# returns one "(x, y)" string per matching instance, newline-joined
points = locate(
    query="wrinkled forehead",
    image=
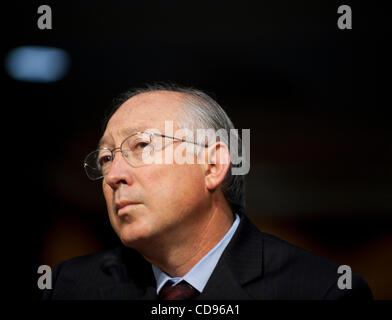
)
(143, 112)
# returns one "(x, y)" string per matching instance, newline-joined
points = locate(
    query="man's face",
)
(156, 202)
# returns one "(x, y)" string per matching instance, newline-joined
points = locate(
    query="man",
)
(182, 225)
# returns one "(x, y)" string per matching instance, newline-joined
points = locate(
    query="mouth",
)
(123, 206)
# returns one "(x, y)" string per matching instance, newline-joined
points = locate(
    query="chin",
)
(132, 235)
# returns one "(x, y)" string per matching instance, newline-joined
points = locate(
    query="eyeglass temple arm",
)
(179, 139)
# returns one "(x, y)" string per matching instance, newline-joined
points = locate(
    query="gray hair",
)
(200, 112)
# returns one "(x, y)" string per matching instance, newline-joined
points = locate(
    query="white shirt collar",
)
(201, 271)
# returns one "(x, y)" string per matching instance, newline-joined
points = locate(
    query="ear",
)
(216, 165)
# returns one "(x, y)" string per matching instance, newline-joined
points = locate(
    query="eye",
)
(141, 145)
(136, 144)
(104, 160)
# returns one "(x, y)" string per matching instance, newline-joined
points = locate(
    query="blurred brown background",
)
(310, 93)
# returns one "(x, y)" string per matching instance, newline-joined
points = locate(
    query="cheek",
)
(175, 186)
(114, 221)
(107, 193)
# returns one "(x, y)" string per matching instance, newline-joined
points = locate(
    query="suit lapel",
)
(240, 263)
(223, 286)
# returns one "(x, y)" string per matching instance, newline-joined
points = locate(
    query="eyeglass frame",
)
(85, 164)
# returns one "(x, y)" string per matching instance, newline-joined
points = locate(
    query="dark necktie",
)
(181, 291)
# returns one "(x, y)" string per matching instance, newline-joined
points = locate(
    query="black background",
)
(310, 93)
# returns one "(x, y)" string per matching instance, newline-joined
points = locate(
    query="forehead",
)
(144, 111)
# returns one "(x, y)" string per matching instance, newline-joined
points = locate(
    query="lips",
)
(121, 206)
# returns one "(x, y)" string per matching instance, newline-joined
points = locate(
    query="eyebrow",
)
(124, 132)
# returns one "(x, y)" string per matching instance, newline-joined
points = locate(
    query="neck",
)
(177, 255)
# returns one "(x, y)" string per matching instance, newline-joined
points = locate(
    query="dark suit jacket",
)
(254, 265)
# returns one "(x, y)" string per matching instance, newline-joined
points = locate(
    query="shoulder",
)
(291, 272)
(80, 277)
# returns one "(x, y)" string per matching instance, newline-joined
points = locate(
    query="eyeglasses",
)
(134, 150)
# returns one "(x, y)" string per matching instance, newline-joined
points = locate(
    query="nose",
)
(120, 171)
